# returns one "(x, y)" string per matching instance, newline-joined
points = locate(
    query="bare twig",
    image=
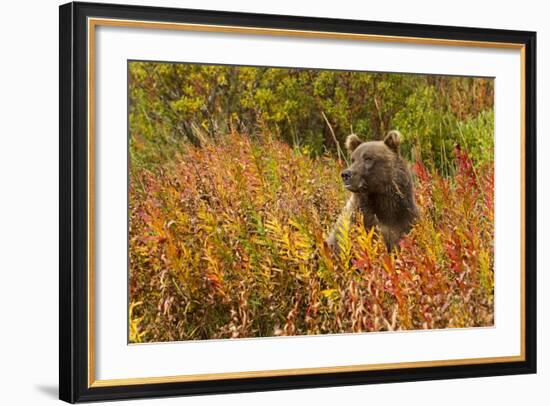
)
(341, 155)
(378, 111)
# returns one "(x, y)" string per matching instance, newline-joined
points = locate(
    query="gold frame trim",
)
(94, 22)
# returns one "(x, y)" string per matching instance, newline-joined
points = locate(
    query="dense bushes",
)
(174, 103)
(227, 240)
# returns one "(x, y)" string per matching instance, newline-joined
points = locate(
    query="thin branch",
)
(341, 155)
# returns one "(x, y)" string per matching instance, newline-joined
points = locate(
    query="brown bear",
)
(381, 186)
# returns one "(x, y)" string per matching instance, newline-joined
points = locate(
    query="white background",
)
(115, 359)
(29, 204)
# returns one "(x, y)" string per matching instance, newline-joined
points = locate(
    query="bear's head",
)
(372, 163)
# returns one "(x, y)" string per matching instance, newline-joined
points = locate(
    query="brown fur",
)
(381, 186)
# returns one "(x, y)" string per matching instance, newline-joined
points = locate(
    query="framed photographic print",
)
(256, 202)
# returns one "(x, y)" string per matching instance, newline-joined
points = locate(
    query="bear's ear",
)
(392, 140)
(352, 142)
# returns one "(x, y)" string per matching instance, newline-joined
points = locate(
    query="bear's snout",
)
(346, 175)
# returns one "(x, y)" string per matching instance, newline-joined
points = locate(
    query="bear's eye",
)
(352, 160)
(367, 158)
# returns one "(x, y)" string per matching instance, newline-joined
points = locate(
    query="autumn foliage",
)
(226, 240)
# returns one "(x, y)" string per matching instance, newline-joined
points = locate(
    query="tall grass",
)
(227, 240)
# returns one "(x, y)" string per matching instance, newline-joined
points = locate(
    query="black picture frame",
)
(74, 199)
